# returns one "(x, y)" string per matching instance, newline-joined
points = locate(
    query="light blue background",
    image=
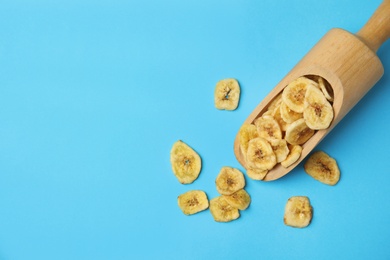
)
(94, 93)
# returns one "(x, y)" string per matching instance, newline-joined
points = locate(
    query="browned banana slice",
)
(294, 93)
(298, 132)
(318, 112)
(240, 199)
(222, 211)
(186, 163)
(260, 154)
(229, 180)
(323, 168)
(268, 128)
(227, 94)
(193, 202)
(293, 156)
(279, 146)
(298, 212)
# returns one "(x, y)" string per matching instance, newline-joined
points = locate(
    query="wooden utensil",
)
(348, 62)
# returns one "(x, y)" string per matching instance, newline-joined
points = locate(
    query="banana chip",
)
(293, 156)
(240, 199)
(289, 115)
(227, 94)
(246, 133)
(193, 202)
(326, 89)
(268, 128)
(323, 168)
(279, 146)
(318, 112)
(294, 93)
(222, 211)
(256, 174)
(186, 163)
(260, 154)
(298, 212)
(229, 180)
(298, 132)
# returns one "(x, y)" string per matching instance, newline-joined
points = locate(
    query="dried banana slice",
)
(294, 93)
(278, 117)
(186, 163)
(240, 199)
(279, 146)
(318, 112)
(229, 180)
(293, 156)
(268, 128)
(323, 168)
(227, 94)
(193, 202)
(256, 174)
(246, 133)
(275, 103)
(326, 89)
(298, 132)
(298, 212)
(222, 211)
(289, 115)
(260, 154)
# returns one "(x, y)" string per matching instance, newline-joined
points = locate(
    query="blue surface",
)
(94, 93)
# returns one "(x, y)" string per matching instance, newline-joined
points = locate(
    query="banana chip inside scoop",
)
(227, 94)
(294, 93)
(298, 212)
(323, 168)
(318, 112)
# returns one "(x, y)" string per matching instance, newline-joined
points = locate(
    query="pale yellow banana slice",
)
(326, 89)
(246, 133)
(186, 163)
(222, 211)
(260, 154)
(279, 146)
(293, 156)
(294, 93)
(256, 174)
(278, 117)
(268, 128)
(323, 168)
(229, 180)
(289, 115)
(227, 94)
(298, 212)
(298, 132)
(193, 202)
(240, 199)
(318, 112)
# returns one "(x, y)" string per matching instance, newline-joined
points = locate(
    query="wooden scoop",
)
(348, 62)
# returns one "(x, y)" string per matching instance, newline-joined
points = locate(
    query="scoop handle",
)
(377, 30)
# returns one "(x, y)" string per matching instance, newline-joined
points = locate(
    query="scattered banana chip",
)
(294, 93)
(298, 132)
(256, 174)
(193, 202)
(246, 133)
(227, 94)
(298, 212)
(293, 156)
(318, 112)
(186, 163)
(222, 211)
(229, 180)
(323, 168)
(268, 128)
(240, 199)
(260, 154)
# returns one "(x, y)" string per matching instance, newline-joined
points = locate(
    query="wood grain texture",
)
(348, 62)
